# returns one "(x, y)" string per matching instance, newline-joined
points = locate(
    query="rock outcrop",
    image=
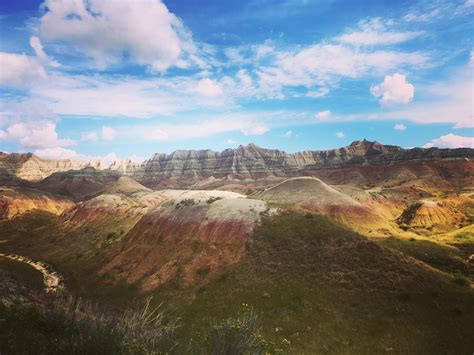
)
(32, 168)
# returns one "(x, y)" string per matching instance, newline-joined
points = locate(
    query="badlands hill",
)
(77, 183)
(301, 189)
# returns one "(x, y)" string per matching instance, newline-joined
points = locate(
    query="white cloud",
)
(447, 101)
(322, 115)
(422, 16)
(35, 135)
(19, 70)
(400, 127)
(31, 125)
(106, 30)
(247, 124)
(394, 89)
(108, 133)
(58, 153)
(244, 79)
(35, 43)
(324, 65)
(320, 92)
(124, 96)
(105, 159)
(340, 134)
(230, 141)
(469, 123)
(89, 136)
(234, 55)
(255, 130)
(263, 50)
(451, 141)
(209, 88)
(374, 31)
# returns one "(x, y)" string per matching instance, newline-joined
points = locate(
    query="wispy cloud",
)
(400, 127)
(374, 31)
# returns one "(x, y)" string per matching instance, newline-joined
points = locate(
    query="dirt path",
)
(51, 279)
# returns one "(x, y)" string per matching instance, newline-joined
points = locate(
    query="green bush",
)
(462, 280)
(213, 199)
(204, 270)
(111, 236)
(241, 335)
(71, 326)
(186, 203)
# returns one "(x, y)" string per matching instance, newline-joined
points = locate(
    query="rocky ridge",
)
(253, 162)
(244, 162)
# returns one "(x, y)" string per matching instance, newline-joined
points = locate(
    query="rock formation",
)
(244, 162)
(252, 162)
(32, 168)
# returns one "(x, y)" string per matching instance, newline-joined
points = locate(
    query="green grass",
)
(311, 281)
(22, 273)
(213, 199)
(465, 236)
(328, 290)
(27, 330)
(446, 258)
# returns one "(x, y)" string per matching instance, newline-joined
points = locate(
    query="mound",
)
(79, 183)
(428, 214)
(127, 186)
(306, 189)
(189, 237)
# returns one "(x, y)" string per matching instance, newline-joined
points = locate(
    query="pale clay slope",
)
(302, 189)
(184, 205)
(228, 206)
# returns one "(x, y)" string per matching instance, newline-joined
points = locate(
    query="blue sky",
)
(114, 79)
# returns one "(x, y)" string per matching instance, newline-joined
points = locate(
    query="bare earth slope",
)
(188, 237)
(306, 189)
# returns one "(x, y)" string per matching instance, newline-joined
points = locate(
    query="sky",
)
(116, 79)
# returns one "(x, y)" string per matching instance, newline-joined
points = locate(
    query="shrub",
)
(186, 203)
(72, 326)
(462, 280)
(213, 199)
(204, 270)
(241, 335)
(404, 226)
(111, 235)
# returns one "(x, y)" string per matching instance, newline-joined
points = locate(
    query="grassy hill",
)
(310, 280)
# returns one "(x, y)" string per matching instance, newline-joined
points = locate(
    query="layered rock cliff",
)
(254, 162)
(244, 162)
(32, 168)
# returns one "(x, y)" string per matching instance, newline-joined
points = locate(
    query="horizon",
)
(85, 82)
